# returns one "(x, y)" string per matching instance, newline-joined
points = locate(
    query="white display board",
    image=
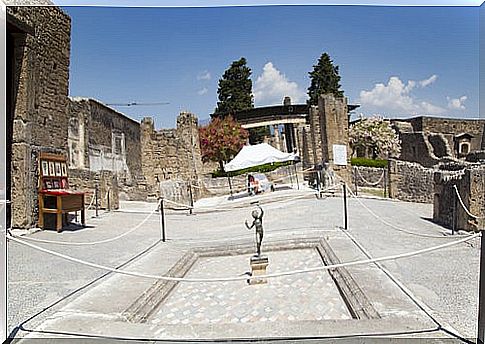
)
(340, 155)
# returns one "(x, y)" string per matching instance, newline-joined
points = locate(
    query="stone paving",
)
(312, 296)
(445, 281)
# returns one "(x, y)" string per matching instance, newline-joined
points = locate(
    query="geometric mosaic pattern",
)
(308, 296)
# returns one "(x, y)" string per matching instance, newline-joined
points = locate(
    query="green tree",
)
(374, 135)
(324, 79)
(235, 89)
(221, 140)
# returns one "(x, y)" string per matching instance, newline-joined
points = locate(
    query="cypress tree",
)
(235, 89)
(324, 79)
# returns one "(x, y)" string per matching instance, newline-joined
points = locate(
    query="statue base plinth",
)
(258, 268)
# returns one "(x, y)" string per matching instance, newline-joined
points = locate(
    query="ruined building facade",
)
(431, 140)
(171, 158)
(104, 150)
(38, 55)
(327, 129)
(102, 145)
(442, 161)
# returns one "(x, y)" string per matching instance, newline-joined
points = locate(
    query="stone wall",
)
(328, 126)
(171, 154)
(365, 176)
(470, 184)
(415, 147)
(410, 182)
(429, 140)
(453, 127)
(39, 38)
(103, 139)
(220, 186)
(87, 181)
(477, 156)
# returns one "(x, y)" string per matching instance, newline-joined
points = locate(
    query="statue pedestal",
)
(258, 268)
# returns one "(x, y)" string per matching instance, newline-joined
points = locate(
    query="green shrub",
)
(368, 162)
(255, 169)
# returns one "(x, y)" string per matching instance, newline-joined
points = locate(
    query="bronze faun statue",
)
(258, 223)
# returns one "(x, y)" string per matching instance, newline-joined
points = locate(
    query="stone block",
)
(258, 265)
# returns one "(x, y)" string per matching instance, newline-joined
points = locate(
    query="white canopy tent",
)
(255, 155)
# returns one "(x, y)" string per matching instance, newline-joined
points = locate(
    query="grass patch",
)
(255, 169)
(368, 162)
(372, 191)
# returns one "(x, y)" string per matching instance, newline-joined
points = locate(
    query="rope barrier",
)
(463, 205)
(106, 194)
(308, 229)
(390, 224)
(244, 278)
(91, 203)
(215, 208)
(366, 181)
(90, 243)
(396, 227)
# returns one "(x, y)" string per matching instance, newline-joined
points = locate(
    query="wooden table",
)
(60, 202)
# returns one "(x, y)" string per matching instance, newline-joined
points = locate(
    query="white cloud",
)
(202, 91)
(271, 87)
(429, 81)
(396, 96)
(457, 103)
(204, 75)
(430, 109)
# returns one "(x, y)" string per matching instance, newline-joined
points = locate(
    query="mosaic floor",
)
(308, 296)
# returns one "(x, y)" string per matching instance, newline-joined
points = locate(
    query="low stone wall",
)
(220, 186)
(86, 181)
(410, 182)
(447, 208)
(179, 191)
(477, 156)
(369, 176)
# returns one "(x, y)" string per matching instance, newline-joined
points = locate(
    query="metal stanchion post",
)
(96, 198)
(191, 199)
(162, 219)
(230, 184)
(109, 207)
(296, 176)
(385, 183)
(355, 180)
(481, 294)
(453, 227)
(318, 184)
(345, 205)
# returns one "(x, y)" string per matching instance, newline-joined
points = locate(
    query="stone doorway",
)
(9, 124)
(14, 44)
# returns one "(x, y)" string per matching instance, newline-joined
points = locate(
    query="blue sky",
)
(394, 61)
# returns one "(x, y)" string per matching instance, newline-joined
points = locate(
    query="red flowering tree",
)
(221, 140)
